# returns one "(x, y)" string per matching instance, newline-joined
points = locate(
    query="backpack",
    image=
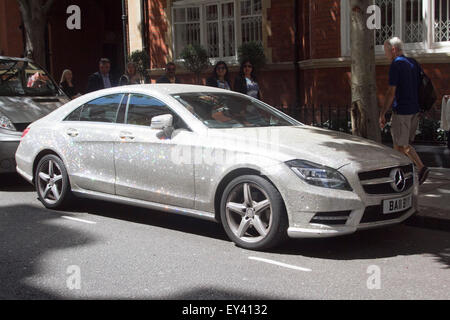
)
(427, 93)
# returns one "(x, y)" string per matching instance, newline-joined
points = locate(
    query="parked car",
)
(27, 93)
(217, 155)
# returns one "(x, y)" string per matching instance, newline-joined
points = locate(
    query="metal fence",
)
(338, 118)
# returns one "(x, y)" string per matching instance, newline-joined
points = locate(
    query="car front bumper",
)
(326, 231)
(361, 211)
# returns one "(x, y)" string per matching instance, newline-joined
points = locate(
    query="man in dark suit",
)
(102, 79)
(170, 76)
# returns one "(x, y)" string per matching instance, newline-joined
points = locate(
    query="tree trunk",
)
(364, 110)
(34, 16)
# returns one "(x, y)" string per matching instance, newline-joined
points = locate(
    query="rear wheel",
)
(52, 183)
(253, 213)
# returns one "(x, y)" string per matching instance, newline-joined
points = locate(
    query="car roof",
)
(14, 59)
(171, 89)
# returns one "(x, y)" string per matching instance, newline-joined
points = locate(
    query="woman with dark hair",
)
(219, 78)
(246, 81)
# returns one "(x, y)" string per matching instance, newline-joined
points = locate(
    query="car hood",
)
(329, 148)
(29, 109)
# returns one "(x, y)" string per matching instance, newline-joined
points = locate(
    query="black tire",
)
(63, 185)
(277, 225)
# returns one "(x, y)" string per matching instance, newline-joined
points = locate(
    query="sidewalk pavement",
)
(434, 155)
(434, 201)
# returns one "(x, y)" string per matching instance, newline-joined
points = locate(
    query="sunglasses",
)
(171, 69)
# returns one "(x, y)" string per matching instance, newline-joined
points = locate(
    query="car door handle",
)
(126, 136)
(72, 133)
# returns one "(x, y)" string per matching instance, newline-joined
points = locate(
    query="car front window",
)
(224, 110)
(23, 78)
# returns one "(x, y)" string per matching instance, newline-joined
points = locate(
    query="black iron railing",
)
(338, 118)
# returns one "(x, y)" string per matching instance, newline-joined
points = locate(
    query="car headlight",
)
(318, 175)
(5, 123)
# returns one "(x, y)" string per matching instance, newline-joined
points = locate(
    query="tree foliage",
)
(253, 52)
(142, 61)
(195, 59)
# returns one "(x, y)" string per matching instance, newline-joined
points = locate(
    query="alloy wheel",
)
(249, 212)
(50, 182)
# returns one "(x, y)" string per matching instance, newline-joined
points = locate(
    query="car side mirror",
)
(162, 122)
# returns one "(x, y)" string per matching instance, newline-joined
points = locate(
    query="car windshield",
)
(224, 110)
(23, 78)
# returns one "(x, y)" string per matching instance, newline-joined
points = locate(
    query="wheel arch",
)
(227, 179)
(41, 155)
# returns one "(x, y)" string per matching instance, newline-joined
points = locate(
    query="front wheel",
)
(253, 213)
(52, 183)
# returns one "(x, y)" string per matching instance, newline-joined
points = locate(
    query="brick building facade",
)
(317, 69)
(306, 42)
(79, 50)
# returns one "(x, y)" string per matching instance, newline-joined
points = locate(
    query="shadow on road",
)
(14, 183)
(150, 217)
(213, 294)
(400, 240)
(27, 235)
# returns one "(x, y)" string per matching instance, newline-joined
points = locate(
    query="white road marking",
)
(280, 264)
(79, 220)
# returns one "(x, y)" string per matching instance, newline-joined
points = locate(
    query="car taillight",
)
(25, 132)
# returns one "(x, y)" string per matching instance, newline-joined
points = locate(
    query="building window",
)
(251, 20)
(424, 25)
(220, 26)
(441, 21)
(186, 23)
(401, 18)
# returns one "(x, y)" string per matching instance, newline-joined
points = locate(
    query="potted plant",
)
(254, 52)
(142, 61)
(195, 59)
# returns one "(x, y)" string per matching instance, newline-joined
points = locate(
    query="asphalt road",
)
(108, 251)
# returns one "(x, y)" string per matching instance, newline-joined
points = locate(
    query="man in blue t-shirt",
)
(403, 96)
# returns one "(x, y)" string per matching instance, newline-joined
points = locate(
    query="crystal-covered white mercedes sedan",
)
(216, 155)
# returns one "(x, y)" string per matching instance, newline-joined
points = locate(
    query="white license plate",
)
(397, 205)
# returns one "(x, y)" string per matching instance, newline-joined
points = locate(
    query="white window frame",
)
(445, 45)
(426, 46)
(203, 32)
(185, 22)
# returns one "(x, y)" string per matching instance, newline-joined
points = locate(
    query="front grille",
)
(379, 181)
(375, 214)
(20, 127)
(331, 218)
(383, 172)
(386, 188)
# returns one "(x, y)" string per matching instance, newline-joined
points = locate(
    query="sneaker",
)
(423, 175)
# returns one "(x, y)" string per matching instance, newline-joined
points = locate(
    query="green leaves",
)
(253, 52)
(195, 58)
(141, 60)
